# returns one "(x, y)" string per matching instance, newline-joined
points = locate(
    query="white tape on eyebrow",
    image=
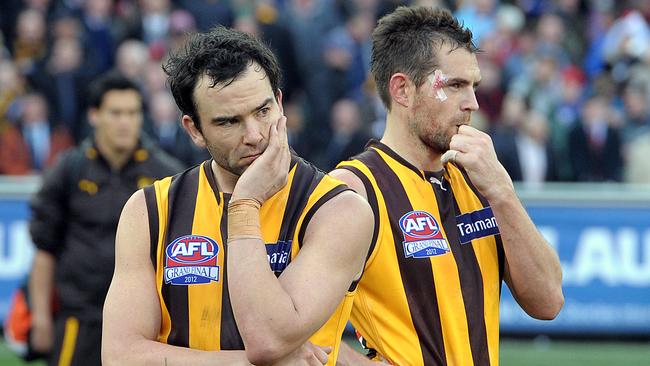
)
(438, 82)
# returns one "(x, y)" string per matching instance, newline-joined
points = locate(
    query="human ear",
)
(190, 126)
(399, 87)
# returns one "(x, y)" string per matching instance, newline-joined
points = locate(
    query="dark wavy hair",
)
(105, 83)
(407, 40)
(222, 54)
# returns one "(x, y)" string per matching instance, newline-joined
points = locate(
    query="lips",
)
(248, 159)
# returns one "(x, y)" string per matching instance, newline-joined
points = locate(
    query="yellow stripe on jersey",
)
(487, 256)
(69, 341)
(162, 191)
(204, 301)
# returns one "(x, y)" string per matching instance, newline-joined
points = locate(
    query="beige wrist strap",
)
(244, 219)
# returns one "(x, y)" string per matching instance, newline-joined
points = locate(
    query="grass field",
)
(522, 353)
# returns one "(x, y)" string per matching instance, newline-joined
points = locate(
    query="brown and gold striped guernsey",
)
(188, 227)
(430, 291)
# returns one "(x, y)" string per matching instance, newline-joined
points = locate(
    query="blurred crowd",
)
(565, 93)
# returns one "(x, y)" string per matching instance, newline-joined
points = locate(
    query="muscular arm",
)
(533, 271)
(276, 315)
(132, 309)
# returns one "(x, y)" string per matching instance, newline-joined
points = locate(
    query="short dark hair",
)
(107, 82)
(405, 41)
(223, 54)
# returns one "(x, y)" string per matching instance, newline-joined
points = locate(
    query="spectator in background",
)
(309, 21)
(181, 24)
(30, 45)
(637, 167)
(504, 134)
(595, 144)
(155, 20)
(636, 112)
(348, 134)
(64, 80)
(12, 87)
(565, 116)
(75, 215)
(131, 60)
(295, 113)
(209, 13)
(550, 34)
(490, 95)
(34, 142)
(626, 42)
(97, 18)
(347, 55)
(479, 16)
(534, 151)
(540, 86)
(170, 136)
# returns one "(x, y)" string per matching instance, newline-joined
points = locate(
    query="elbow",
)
(550, 307)
(110, 356)
(120, 352)
(261, 350)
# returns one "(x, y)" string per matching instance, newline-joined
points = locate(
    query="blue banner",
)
(16, 248)
(605, 256)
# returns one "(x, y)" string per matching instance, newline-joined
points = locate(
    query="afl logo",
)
(191, 259)
(192, 249)
(422, 235)
(419, 225)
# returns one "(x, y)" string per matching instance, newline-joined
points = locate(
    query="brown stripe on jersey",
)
(152, 212)
(471, 281)
(417, 275)
(497, 238)
(378, 145)
(312, 210)
(372, 200)
(207, 168)
(230, 337)
(305, 180)
(182, 201)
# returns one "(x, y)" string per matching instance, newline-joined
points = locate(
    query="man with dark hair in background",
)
(244, 258)
(449, 227)
(75, 215)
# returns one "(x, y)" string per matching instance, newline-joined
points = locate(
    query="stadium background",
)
(565, 96)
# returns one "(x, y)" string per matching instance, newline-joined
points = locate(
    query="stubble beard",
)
(224, 163)
(433, 139)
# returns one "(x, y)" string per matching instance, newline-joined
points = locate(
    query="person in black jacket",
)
(75, 215)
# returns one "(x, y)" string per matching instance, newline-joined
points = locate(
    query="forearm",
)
(41, 285)
(266, 315)
(534, 269)
(144, 352)
(349, 357)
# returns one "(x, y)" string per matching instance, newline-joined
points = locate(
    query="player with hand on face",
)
(449, 227)
(251, 257)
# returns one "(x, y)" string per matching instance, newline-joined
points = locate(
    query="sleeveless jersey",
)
(188, 228)
(430, 291)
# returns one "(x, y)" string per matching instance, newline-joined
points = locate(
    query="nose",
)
(252, 132)
(470, 104)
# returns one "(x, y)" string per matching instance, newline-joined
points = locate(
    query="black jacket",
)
(75, 216)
